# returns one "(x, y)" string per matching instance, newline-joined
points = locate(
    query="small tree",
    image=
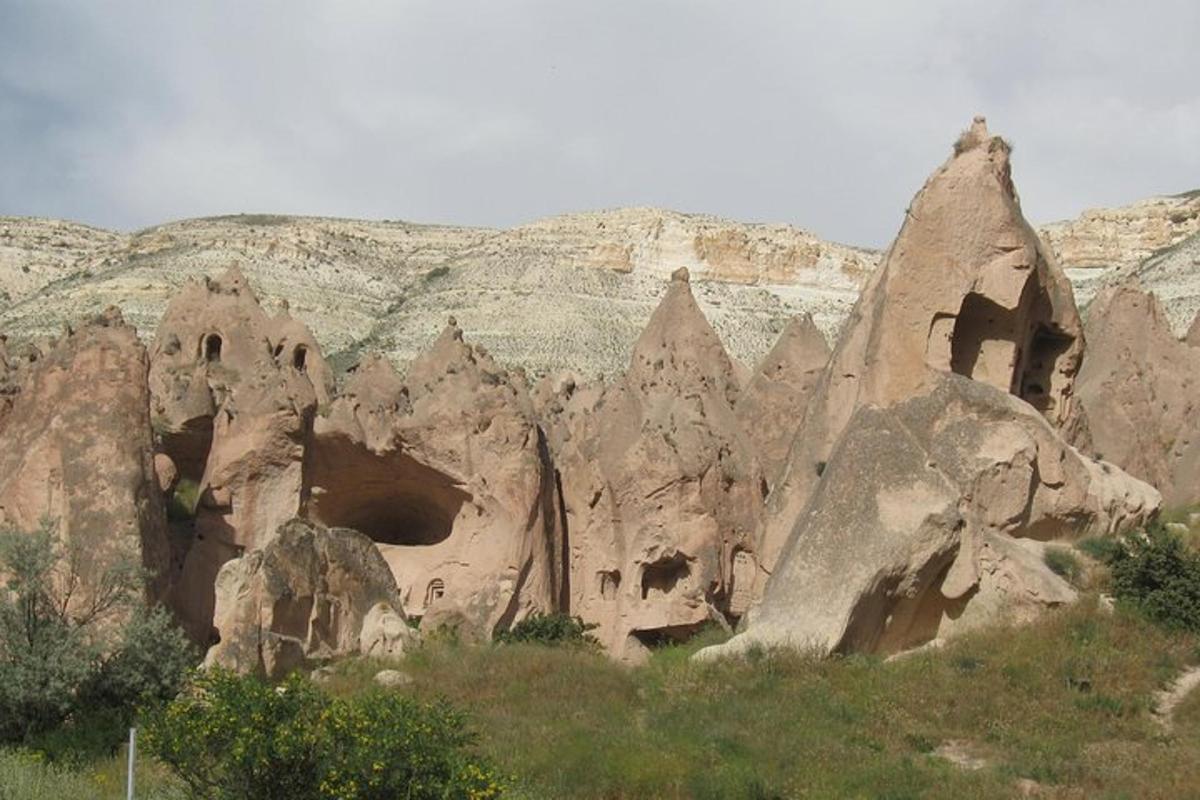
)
(57, 657)
(1156, 572)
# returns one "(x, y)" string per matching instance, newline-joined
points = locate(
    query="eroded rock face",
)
(234, 392)
(931, 518)
(448, 473)
(772, 406)
(662, 495)
(966, 288)
(309, 594)
(1139, 386)
(1193, 334)
(934, 463)
(76, 448)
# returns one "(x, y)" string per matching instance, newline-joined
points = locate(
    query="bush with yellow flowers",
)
(237, 738)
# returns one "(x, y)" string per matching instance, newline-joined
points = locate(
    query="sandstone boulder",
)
(932, 517)
(661, 493)
(1140, 387)
(76, 449)
(309, 594)
(447, 471)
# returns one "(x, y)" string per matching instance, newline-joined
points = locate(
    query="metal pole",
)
(132, 756)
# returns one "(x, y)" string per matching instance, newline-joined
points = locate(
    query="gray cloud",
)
(125, 114)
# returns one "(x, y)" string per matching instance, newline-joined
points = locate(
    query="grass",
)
(27, 776)
(1064, 701)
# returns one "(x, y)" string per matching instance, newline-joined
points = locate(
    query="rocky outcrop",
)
(966, 288)
(1123, 237)
(234, 392)
(309, 594)
(932, 517)
(1193, 334)
(1139, 386)
(772, 406)
(1172, 276)
(76, 449)
(933, 459)
(662, 495)
(447, 472)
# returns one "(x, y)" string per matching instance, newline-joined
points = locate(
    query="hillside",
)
(566, 292)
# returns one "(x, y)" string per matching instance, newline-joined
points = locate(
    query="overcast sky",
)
(827, 116)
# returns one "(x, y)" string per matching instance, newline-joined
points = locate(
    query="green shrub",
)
(1062, 562)
(549, 629)
(74, 663)
(181, 505)
(1157, 573)
(1101, 548)
(238, 738)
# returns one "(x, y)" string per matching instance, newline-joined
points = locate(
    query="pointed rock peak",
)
(801, 346)
(977, 135)
(679, 346)
(372, 375)
(232, 281)
(681, 275)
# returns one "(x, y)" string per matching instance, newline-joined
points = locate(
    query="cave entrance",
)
(661, 577)
(299, 358)
(212, 348)
(394, 499)
(983, 346)
(1046, 348)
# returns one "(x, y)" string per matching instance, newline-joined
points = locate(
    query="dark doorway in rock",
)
(300, 358)
(435, 591)
(663, 576)
(1037, 376)
(212, 347)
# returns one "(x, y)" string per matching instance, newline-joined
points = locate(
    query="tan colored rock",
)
(76, 448)
(771, 408)
(165, 472)
(931, 518)
(966, 288)
(309, 594)
(1140, 387)
(933, 463)
(1193, 334)
(662, 494)
(234, 392)
(1123, 237)
(447, 472)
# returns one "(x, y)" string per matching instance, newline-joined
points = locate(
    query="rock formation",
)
(1123, 237)
(1140, 387)
(446, 470)
(932, 462)
(76, 449)
(967, 288)
(1193, 334)
(234, 391)
(309, 594)
(772, 406)
(661, 493)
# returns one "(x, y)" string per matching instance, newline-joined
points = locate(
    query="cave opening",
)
(1046, 348)
(392, 499)
(212, 348)
(983, 346)
(299, 358)
(663, 576)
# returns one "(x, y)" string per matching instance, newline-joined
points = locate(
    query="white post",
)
(132, 755)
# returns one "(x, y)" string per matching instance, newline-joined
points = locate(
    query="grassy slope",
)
(1064, 702)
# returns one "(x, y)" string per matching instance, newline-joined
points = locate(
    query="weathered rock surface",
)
(447, 472)
(933, 458)
(234, 392)
(76, 448)
(1123, 237)
(661, 493)
(771, 407)
(1173, 276)
(309, 594)
(1193, 334)
(968, 288)
(931, 518)
(1140, 387)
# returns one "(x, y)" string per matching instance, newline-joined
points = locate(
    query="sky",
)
(827, 116)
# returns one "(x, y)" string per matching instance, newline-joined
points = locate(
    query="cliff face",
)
(566, 292)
